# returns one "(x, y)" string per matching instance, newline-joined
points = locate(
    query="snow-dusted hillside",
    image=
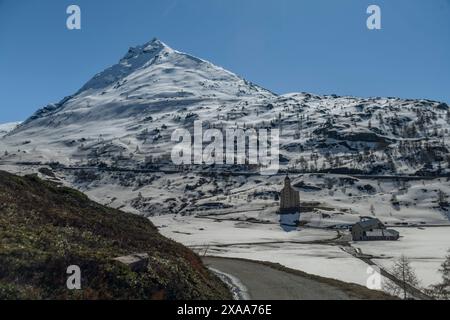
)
(116, 130)
(136, 104)
(121, 122)
(367, 136)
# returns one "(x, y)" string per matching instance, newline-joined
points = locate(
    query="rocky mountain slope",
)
(126, 114)
(112, 139)
(135, 104)
(45, 228)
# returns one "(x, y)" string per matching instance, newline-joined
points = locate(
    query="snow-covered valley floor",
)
(425, 247)
(308, 249)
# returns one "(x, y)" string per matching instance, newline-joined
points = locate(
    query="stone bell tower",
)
(289, 198)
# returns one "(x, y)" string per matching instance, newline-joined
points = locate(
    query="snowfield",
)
(425, 247)
(301, 249)
(197, 231)
(296, 249)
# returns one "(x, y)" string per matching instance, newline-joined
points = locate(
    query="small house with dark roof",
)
(372, 229)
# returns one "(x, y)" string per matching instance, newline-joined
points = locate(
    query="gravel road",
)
(264, 282)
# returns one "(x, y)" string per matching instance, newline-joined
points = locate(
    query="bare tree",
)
(442, 290)
(403, 271)
(372, 210)
(442, 199)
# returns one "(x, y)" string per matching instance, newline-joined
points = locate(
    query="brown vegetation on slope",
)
(44, 228)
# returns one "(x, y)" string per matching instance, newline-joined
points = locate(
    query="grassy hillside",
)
(44, 228)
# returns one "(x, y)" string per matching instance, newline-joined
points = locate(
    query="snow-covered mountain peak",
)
(156, 43)
(136, 57)
(149, 78)
(149, 50)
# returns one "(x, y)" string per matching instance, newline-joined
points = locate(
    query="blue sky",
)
(319, 46)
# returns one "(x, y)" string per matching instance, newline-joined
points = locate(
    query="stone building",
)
(289, 198)
(372, 229)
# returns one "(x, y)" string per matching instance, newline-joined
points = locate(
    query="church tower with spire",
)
(289, 198)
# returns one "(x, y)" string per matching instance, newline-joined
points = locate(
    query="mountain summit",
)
(148, 78)
(136, 57)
